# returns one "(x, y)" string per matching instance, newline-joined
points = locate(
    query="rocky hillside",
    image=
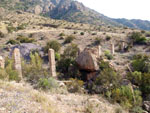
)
(72, 11)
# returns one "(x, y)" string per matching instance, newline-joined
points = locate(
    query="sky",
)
(129, 9)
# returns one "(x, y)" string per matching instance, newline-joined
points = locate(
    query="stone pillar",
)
(2, 62)
(112, 49)
(51, 55)
(17, 61)
(99, 51)
(122, 46)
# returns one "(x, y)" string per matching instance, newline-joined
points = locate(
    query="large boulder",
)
(87, 60)
(26, 49)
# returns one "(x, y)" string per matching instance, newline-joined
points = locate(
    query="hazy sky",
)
(130, 9)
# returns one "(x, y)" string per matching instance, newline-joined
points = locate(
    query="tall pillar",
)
(2, 62)
(122, 46)
(112, 48)
(17, 61)
(51, 55)
(99, 51)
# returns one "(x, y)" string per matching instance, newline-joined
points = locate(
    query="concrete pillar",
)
(51, 55)
(122, 46)
(2, 62)
(112, 48)
(17, 61)
(99, 51)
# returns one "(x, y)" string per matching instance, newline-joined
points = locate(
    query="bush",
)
(82, 33)
(107, 79)
(22, 26)
(108, 55)
(61, 34)
(141, 63)
(3, 74)
(52, 44)
(108, 38)
(34, 69)
(75, 86)
(137, 38)
(11, 29)
(94, 33)
(49, 83)
(57, 56)
(13, 42)
(67, 64)
(1, 34)
(23, 39)
(127, 97)
(12, 73)
(69, 39)
(97, 41)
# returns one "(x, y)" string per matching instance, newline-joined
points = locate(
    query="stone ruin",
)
(17, 61)
(51, 55)
(2, 62)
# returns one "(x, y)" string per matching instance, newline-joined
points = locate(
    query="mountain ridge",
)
(71, 10)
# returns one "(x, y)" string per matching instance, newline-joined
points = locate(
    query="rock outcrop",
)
(87, 60)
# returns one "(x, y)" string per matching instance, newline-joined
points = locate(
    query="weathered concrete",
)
(2, 62)
(99, 51)
(112, 48)
(17, 61)
(51, 55)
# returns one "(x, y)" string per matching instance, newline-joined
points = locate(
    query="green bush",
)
(97, 41)
(141, 63)
(82, 33)
(23, 39)
(57, 56)
(137, 38)
(22, 26)
(75, 86)
(106, 80)
(69, 39)
(108, 55)
(49, 83)
(3, 74)
(61, 34)
(127, 97)
(13, 42)
(108, 38)
(67, 62)
(12, 73)
(34, 69)
(10, 29)
(52, 44)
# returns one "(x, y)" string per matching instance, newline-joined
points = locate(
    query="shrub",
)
(22, 26)
(13, 74)
(141, 63)
(75, 86)
(108, 55)
(106, 80)
(61, 34)
(82, 33)
(57, 56)
(23, 39)
(3, 74)
(137, 38)
(34, 69)
(69, 39)
(11, 29)
(67, 64)
(127, 97)
(52, 44)
(97, 41)
(13, 42)
(1, 34)
(49, 83)
(108, 38)
(94, 33)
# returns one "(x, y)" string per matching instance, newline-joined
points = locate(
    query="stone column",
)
(51, 55)
(122, 46)
(2, 62)
(99, 51)
(17, 61)
(112, 49)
